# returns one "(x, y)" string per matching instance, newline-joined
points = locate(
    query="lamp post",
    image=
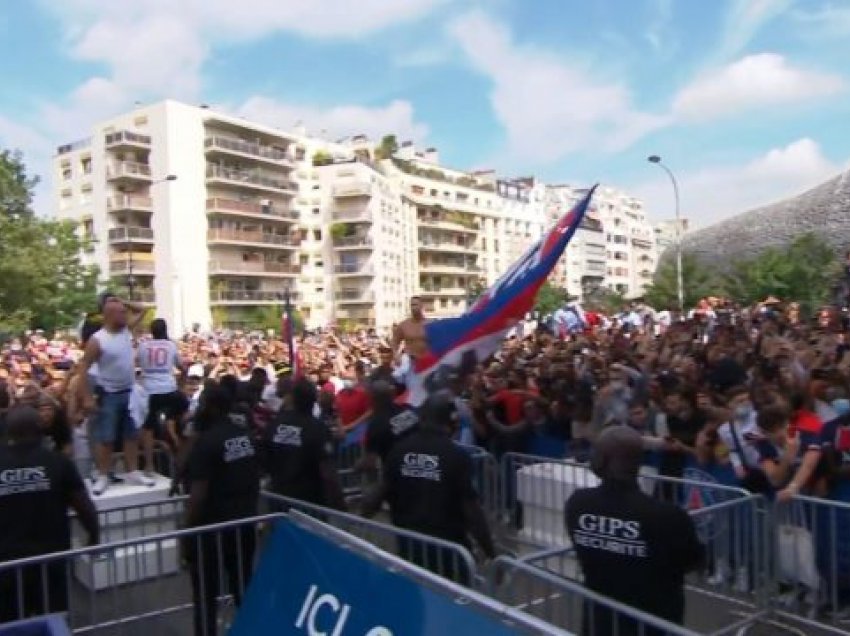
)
(680, 286)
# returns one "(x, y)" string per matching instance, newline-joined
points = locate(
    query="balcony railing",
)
(238, 236)
(246, 148)
(130, 202)
(252, 267)
(127, 138)
(131, 233)
(359, 214)
(254, 296)
(448, 267)
(445, 245)
(249, 208)
(445, 291)
(352, 241)
(138, 266)
(147, 297)
(355, 295)
(250, 178)
(352, 189)
(450, 223)
(354, 268)
(129, 169)
(642, 243)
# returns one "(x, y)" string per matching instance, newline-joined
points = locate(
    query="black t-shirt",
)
(294, 448)
(226, 457)
(36, 485)
(429, 479)
(386, 429)
(633, 548)
(57, 436)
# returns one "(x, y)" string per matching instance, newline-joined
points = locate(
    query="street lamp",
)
(131, 280)
(680, 286)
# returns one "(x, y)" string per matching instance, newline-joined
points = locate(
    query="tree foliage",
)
(698, 282)
(43, 282)
(803, 272)
(608, 301)
(387, 148)
(549, 298)
(322, 158)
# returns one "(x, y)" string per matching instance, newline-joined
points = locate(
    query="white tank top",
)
(115, 368)
(157, 360)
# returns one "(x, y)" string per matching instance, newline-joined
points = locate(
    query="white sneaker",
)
(139, 478)
(100, 485)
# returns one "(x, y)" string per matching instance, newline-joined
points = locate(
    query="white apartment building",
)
(214, 245)
(614, 247)
(666, 235)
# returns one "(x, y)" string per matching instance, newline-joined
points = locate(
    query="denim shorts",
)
(112, 416)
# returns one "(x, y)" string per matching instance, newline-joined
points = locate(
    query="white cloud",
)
(423, 56)
(744, 20)
(755, 81)
(548, 106)
(718, 192)
(829, 21)
(397, 117)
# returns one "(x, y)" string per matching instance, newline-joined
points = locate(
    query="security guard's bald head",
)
(617, 454)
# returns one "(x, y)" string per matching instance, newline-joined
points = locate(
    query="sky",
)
(746, 101)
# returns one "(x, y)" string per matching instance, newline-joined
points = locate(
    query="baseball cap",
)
(196, 371)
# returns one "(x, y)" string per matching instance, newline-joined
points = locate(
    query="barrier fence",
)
(789, 562)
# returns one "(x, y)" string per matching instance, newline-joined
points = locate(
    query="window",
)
(316, 210)
(85, 165)
(66, 173)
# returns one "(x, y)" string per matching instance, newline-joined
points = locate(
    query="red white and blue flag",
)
(458, 344)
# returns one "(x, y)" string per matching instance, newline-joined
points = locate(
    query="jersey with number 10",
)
(157, 360)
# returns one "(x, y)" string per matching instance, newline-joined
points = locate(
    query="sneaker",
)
(115, 479)
(139, 478)
(100, 485)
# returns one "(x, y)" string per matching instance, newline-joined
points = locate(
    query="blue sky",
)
(746, 100)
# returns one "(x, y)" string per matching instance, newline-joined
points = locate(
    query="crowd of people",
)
(759, 394)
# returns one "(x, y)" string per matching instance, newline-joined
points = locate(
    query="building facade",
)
(214, 220)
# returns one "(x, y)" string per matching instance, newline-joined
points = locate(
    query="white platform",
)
(127, 512)
(128, 565)
(543, 490)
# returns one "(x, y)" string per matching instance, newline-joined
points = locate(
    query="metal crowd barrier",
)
(351, 478)
(447, 559)
(811, 540)
(533, 490)
(569, 605)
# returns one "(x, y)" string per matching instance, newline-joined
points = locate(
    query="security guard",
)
(298, 452)
(632, 548)
(223, 474)
(428, 485)
(389, 422)
(37, 486)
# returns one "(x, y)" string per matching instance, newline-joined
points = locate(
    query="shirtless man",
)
(411, 332)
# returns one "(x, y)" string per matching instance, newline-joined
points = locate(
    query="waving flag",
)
(458, 344)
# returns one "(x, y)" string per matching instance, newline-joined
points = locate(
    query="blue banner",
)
(310, 584)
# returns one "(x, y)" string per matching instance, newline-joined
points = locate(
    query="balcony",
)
(131, 234)
(456, 224)
(354, 296)
(129, 171)
(352, 242)
(250, 179)
(139, 266)
(352, 189)
(450, 268)
(444, 291)
(124, 139)
(642, 243)
(353, 214)
(249, 297)
(144, 296)
(215, 144)
(129, 203)
(445, 246)
(252, 268)
(354, 269)
(240, 237)
(250, 209)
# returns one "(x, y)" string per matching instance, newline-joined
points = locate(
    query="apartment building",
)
(189, 209)
(613, 248)
(666, 234)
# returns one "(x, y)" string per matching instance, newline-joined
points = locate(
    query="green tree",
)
(549, 298)
(608, 301)
(339, 230)
(43, 282)
(387, 148)
(803, 272)
(322, 158)
(698, 281)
